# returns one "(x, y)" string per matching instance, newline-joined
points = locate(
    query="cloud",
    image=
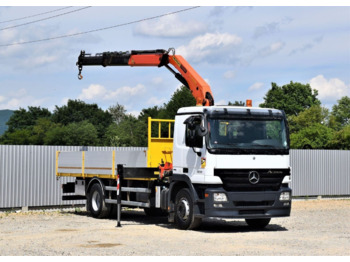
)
(18, 92)
(99, 92)
(134, 113)
(93, 92)
(221, 102)
(271, 49)
(169, 26)
(64, 101)
(218, 11)
(14, 103)
(38, 61)
(267, 29)
(7, 35)
(307, 46)
(46, 54)
(331, 89)
(256, 86)
(229, 74)
(264, 52)
(157, 80)
(270, 28)
(126, 91)
(210, 46)
(156, 101)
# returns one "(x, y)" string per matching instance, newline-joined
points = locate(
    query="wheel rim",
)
(96, 198)
(183, 210)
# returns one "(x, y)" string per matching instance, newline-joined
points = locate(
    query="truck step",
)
(128, 203)
(73, 197)
(130, 189)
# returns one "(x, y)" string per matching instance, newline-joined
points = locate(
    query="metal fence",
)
(320, 172)
(27, 174)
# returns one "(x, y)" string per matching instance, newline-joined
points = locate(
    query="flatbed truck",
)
(211, 161)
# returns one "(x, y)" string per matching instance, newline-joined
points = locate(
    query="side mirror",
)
(194, 123)
(195, 132)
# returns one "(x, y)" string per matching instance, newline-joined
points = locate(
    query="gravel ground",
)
(316, 227)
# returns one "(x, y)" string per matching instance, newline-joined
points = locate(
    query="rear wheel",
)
(184, 215)
(258, 223)
(96, 202)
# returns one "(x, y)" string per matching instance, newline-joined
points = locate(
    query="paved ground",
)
(316, 227)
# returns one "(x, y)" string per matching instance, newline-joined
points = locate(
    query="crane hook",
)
(80, 76)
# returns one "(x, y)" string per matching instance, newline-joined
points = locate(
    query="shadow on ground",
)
(210, 225)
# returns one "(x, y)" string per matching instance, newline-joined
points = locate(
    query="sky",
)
(239, 50)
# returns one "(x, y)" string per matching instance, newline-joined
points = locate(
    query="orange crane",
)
(186, 74)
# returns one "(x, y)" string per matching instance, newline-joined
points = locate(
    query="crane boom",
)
(186, 74)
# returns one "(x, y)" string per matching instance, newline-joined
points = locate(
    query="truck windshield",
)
(247, 136)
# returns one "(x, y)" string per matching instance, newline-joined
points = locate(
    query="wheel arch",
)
(177, 183)
(95, 180)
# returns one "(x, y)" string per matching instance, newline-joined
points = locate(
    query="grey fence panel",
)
(320, 172)
(27, 175)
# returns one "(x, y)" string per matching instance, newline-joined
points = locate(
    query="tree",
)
(293, 98)
(17, 137)
(76, 111)
(315, 136)
(21, 124)
(39, 130)
(313, 115)
(153, 112)
(73, 134)
(129, 132)
(117, 112)
(22, 118)
(341, 139)
(341, 111)
(181, 98)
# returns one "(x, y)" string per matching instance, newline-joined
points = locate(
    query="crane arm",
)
(186, 74)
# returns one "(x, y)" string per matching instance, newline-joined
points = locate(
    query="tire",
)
(258, 223)
(96, 202)
(184, 216)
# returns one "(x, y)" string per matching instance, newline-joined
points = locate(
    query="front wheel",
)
(258, 223)
(184, 216)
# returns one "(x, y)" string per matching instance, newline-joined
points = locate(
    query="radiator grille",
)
(238, 179)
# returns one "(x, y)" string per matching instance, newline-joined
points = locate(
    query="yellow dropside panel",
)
(160, 141)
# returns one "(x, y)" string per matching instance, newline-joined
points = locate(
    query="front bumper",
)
(262, 204)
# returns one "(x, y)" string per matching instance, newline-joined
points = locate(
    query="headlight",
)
(285, 196)
(220, 197)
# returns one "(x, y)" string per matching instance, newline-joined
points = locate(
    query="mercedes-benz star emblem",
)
(253, 177)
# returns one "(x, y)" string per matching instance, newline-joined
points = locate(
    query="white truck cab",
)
(236, 160)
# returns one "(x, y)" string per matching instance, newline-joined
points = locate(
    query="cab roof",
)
(238, 109)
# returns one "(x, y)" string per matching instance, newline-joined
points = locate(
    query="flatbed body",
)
(103, 164)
